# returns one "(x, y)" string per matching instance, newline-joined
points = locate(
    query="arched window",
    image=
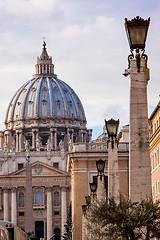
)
(39, 198)
(56, 199)
(21, 199)
(57, 233)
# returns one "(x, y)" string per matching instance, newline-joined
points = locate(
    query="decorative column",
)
(63, 208)
(72, 135)
(17, 141)
(13, 206)
(55, 139)
(139, 158)
(5, 204)
(51, 134)
(49, 213)
(33, 139)
(20, 141)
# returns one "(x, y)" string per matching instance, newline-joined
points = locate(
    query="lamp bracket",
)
(138, 56)
(130, 56)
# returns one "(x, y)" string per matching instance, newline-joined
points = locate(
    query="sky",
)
(89, 48)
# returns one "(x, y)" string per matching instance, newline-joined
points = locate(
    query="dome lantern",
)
(44, 63)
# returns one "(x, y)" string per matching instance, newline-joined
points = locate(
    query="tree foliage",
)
(68, 226)
(132, 221)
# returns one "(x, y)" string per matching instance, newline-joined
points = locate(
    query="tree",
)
(132, 221)
(68, 226)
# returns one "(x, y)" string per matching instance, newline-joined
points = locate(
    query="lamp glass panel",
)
(100, 165)
(137, 35)
(93, 187)
(112, 128)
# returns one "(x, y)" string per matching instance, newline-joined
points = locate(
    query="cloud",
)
(88, 43)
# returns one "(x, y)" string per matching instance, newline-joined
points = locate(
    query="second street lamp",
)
(100, 168)
(112, 129)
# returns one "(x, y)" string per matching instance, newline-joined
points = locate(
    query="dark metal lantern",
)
(88, 200)
(84, 208)
(93, 187)
(136, 30)
(112, 127)
(100, 168)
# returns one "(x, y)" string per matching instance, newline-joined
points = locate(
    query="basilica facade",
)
(44, 117)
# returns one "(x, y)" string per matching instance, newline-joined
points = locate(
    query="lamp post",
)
(113, 174)
(139, 155)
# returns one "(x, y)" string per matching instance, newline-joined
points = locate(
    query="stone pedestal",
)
(113, 174)
(139, 158)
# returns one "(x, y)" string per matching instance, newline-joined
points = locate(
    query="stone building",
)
(44, 117)
(82, 167)
(154, 151)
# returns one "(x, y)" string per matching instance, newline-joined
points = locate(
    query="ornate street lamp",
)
(93, 187)
(112, 129)
(136, 30)
(100, 168)
(84, 208)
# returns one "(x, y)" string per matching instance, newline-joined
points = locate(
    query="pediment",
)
(41, 169)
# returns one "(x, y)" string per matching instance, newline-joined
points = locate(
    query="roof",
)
(154, 111)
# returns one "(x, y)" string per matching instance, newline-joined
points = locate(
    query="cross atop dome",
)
(44, 64)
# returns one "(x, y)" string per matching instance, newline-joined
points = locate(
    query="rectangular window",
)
(152, 162)
(158, 156)
(56, 213)
(158, 187)
(21, 213)
(155, 159)
(56, 165)
(153, 191)
(20, 166)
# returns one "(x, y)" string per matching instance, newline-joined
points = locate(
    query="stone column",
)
(139, 158)
(55, 139)
(17, 141)
(5, 205)
(13, 206)
(49, 213)
(20, 141)
(113, 174)
(33, 139)
(51, 134)
(72, 135)
(63, 208)
(68, 136)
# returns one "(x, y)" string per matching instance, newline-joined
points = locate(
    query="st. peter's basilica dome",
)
(45, 111)
(45, 96)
